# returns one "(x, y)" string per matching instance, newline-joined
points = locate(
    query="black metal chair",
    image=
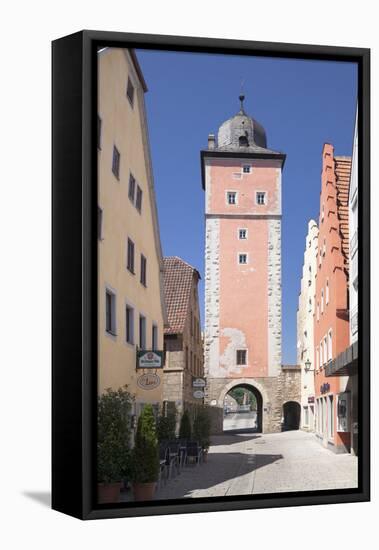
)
(182, 451)
(163, 464)
(194, 452)
(174, 455)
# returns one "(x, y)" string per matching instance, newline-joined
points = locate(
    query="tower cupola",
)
(241, 132)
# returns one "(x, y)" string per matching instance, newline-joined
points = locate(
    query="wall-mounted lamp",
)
(307, 366)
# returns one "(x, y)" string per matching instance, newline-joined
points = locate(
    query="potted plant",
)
(166, 425)
(202, 429)
(145, 456)
(113, 442)
(185, 429)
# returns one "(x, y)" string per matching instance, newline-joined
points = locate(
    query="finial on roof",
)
(241, 98)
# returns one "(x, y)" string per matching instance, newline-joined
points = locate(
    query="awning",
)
(345, 364)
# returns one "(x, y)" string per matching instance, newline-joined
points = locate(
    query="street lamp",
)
(307, 366)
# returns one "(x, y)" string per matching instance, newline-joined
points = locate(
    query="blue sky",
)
(301, 104)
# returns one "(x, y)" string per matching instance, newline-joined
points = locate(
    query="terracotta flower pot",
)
(108, 492)
(144, 491)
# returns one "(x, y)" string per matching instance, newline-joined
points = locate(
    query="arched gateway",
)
(243, 321)
(291, 415)
(243, 408)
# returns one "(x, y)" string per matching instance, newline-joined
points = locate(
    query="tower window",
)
(242, 233)
(246, 168)
(241, 357)
(243, 141)
(242, 258)
(261, 197)
(231, 197)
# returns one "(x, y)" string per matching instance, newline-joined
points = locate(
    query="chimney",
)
(211, 141)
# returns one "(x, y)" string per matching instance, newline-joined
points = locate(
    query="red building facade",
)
(331, 313)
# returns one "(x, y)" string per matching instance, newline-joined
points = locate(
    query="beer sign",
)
(149, 359)
(148, 381)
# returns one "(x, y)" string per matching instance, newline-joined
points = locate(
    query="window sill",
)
(130, 344)
(110, 333)
(130, 271)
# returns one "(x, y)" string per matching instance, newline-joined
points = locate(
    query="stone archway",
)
(291, 415)
(253, 422)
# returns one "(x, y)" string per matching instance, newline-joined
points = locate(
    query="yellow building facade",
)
(131, 311)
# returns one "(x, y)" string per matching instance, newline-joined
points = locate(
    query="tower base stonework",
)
(274, 390)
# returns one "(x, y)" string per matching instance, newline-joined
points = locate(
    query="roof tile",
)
(178, 276)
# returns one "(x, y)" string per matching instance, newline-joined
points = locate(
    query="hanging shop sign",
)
(198, 394)
(149, 359)
(198, 382)
(148, 381)
(324, 388)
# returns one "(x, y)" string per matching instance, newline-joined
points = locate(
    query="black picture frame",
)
(74, 294)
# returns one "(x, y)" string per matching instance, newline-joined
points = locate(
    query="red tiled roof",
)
(177, 277)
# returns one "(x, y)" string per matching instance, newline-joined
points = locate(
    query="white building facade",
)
(305, 320)
(353, 233)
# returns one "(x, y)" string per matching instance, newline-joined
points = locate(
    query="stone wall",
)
(275, 391)
(212, 296)
(274, 291)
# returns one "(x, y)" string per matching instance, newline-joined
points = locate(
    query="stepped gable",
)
(342, 171)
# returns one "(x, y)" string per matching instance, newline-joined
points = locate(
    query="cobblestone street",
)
(240, 464)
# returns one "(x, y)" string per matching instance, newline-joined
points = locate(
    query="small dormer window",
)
(243, 141)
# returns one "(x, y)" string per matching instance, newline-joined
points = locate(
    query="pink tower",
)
(242, 182)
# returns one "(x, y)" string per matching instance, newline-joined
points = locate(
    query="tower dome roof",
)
(241, 132)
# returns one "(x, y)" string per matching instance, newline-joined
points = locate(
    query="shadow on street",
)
(220, 468)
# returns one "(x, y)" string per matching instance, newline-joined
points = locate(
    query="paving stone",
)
(240, 464)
